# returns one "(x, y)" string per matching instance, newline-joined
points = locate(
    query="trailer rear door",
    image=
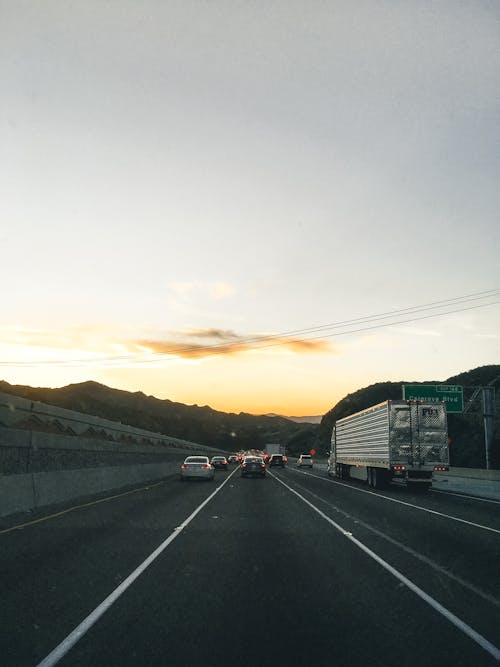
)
(418, 433)
(432, 435)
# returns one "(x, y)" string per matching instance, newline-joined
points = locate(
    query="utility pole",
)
(488, 417)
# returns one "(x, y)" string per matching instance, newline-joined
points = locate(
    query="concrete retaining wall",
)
(471, 473)
(22, 493)
(51, 455)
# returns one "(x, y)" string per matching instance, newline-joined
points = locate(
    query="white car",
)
(197, 467)
(305, 461)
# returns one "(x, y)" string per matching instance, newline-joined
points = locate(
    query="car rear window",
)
(306, 456)
(196, 459)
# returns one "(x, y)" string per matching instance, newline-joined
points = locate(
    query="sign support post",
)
(488, 416)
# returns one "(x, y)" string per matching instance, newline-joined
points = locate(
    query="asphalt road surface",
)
(294, 569)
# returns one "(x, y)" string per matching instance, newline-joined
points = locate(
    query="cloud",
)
(182, 287)
(220, 334)
(221, 290)
(215, 290)
(223, 342)
(46, 338)
(83, 346)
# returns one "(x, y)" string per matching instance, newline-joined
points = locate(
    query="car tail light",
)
(262, 465)
(183, 467)
(205, 467)
(243, 465)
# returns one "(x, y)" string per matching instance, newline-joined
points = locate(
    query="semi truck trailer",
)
(274, 448)
(394, 440)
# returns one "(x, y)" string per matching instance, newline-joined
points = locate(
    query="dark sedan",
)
(219, 462)
(253, 466)
(277, 460)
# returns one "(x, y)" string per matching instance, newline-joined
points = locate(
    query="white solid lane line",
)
(401, 502)
(450, 616)
(67, 643)
(415, 554)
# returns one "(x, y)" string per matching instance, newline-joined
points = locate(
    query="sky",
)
(190, 189)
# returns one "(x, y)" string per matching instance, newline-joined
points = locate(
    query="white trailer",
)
(394, 440)
(274, 448)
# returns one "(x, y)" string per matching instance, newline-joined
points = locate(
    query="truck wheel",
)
(369, 473)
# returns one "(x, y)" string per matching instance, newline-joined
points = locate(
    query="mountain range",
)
(204, 425)
(232, 432)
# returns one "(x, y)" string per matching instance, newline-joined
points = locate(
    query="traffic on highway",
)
(284, 566)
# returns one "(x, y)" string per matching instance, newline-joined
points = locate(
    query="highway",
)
(294, 569)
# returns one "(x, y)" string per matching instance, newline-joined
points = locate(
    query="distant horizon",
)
(265, 413)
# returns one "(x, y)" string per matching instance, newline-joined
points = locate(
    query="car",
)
(219, 462)
(277, 460)
(253, 465)
(196, 467)
(305, 461)
(232, 459)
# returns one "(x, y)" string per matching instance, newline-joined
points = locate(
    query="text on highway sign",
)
(452, 395)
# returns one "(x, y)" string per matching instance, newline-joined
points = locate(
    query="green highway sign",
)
(451, 394)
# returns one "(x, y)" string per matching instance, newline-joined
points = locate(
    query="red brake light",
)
(183, 467)
(441, 468)
(243, 465)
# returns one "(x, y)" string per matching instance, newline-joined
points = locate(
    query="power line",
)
(262, 341)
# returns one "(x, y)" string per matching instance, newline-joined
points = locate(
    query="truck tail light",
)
(399, 467)
(441, 468)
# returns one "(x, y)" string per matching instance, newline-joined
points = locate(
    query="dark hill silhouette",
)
(224, 430)
(466, 431)
(232, 431)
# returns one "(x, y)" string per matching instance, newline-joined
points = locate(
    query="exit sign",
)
(451, 394)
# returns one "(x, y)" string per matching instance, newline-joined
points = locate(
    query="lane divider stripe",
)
(81, 629)
(450, 616)
(424, 559)
(401, 502)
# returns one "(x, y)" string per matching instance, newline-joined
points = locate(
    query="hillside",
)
(228, 431)
(466, 431)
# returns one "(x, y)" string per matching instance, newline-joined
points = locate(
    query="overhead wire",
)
(265, 340)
